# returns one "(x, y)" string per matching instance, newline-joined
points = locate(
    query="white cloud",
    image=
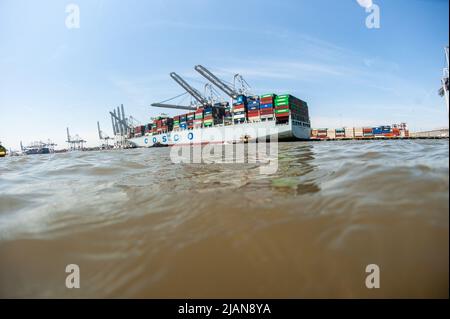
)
(365, 3)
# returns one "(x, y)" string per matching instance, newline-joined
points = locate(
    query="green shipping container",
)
(267, 95)
(281, 111)
(282, 103)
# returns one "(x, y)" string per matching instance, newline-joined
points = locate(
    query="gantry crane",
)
(173, 106)
(444, 91)
(192, 91)
(122, 123)
(102, 136)
(203, 101)
(75, 142)
(216, 81)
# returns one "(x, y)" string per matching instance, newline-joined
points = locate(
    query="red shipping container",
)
(266, 100)
(283, 107)
(266, 111)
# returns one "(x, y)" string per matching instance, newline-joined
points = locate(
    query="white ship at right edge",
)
(247, 118)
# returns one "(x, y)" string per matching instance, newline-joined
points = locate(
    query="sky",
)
(53, 77)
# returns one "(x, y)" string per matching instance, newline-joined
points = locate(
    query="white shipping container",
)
(358, 132)
(331, 133)
(349, 132)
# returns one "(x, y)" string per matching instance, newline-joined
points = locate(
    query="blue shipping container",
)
(241, 99)
(266, 106)
(377, 130)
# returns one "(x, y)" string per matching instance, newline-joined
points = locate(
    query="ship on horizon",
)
(38, 147)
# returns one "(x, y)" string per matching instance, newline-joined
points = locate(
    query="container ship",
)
(36, 148)
(386, 131)
(245, 118)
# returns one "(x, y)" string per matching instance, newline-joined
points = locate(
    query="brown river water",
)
(139, 226)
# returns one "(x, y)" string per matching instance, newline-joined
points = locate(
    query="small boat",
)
(159, 144)
(2, 151)
(39, 150)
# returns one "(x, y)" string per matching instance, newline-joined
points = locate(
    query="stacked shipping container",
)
(139, 130)
(396, 130)
(286, 105)
(367, 132)
(176, 123)
(243, 109)
(208, 120)
(183, 122)
(253, 109)
(228, 114)
(190, 120)
(266, 106)
(349, 132)
(340, 133)
(198, 119)
(240, 109)
(358, 132)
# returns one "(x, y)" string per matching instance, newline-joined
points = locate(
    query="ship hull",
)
(226, 134)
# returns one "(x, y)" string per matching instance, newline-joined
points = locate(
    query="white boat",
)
(291, 130)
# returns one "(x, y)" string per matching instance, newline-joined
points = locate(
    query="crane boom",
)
(113, 125)
(216, 81)
(192, 91)
(120, 121)
(116, 123)
(172, 106)
(99, 131)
